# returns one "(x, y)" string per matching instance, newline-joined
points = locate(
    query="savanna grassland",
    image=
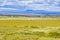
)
(24, 28)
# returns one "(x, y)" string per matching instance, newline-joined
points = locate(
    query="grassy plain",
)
(24, 28)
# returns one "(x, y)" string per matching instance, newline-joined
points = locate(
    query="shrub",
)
(54, 34)
(39, 33)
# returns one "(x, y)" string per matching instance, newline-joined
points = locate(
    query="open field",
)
(24, 28)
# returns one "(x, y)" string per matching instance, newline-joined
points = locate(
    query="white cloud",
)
(44, 6)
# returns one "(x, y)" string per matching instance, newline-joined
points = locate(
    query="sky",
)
(47, 5)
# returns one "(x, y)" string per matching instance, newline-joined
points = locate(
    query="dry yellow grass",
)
(30, 22)
(10, 29)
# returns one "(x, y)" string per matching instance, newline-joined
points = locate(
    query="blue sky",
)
(41, 6)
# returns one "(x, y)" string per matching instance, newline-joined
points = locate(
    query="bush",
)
(39, 34)
(54, 34)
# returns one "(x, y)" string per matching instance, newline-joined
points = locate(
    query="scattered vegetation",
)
(29, 30)
(54, 34)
